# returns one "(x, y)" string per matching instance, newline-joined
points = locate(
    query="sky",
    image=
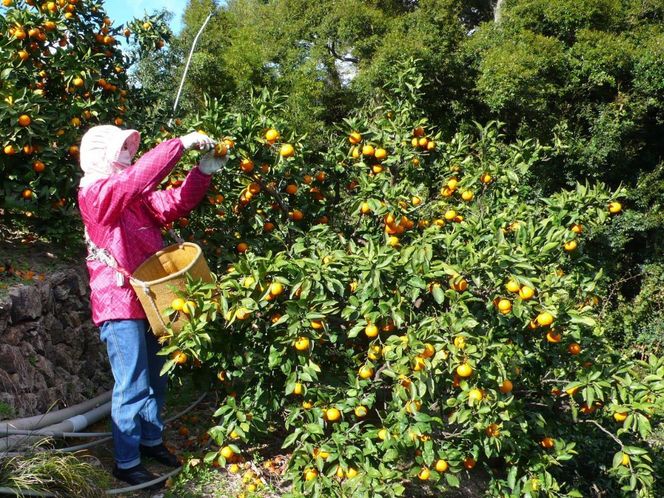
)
(122, 11)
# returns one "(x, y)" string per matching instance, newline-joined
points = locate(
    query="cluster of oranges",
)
(359, 372)
(369, 153)
(262, 179)
(421, 141)
(67, 6)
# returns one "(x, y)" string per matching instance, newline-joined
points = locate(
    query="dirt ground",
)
(187, 438)
(25, 258)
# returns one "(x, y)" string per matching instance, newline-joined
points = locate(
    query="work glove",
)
(210, 164)
(196, 140)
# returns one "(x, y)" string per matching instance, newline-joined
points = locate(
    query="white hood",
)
(101, 149)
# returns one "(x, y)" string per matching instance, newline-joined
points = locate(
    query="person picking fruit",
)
(123, 213)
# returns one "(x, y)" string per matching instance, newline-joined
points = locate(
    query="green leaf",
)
(511, 476)
(314, 428)
(582, 320)
(438, 294)
(617, 459)
(390, 455)
(644, 426)
(210, 456)
(291, 438)
(452, 480)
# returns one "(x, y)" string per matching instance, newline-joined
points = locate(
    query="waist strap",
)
(96, 253)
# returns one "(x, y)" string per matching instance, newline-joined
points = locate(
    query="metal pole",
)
(186, 68)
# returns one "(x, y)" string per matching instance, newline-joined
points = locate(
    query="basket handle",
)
(176, 237)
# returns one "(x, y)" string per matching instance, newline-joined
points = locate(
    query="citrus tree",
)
(61, 71)
(401, 309)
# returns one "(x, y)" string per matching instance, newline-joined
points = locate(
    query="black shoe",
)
(136, 475)
(161, 454)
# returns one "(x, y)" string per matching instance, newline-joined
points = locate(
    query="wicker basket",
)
(155, 280)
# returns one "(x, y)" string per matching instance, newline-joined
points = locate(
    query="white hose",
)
(80, 422)
(50, 432)
(71, 425)
(50, 418)
(17, 492)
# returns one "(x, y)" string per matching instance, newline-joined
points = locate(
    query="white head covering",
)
(101, 149)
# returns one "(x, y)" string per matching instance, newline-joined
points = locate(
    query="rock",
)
(26, 303)
(71, 320)
(69, 283)
(59, 371)
(44, 366)
(27, 381)
(44, 401)
(88, 368)
(7, 384)
(50, 352)
(60, 294)
(48, 349)
(29, 353)
(12, 360)
(27, 405)
(76, 344)
(48, 299)
(39, 383)
(15, 334)
(36, 339)
(63, 358)
(54, 329)
(5, 314)
(55, 397)
(102, 381)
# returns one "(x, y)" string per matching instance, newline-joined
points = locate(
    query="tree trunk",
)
(497, 11)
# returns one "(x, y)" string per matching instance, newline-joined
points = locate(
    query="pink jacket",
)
(124, 214)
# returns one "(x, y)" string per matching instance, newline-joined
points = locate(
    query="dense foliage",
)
(585, 75)
(420, 243)
(402, 308)
(584, 78)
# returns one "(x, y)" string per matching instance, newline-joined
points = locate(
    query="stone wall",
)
(50, 353)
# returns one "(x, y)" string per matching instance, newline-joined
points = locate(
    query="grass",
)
(6, 410)
(64, 475)
(199, 482)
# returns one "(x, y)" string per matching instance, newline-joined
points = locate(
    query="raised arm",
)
(113, 194)
(169, 205)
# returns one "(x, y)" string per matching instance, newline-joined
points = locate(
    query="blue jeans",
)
(139, 391)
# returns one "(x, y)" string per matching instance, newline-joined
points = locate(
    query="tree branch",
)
(284, 207)
(594, 422)
(497, 11)
(333, 52)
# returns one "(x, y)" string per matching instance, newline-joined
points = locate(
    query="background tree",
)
(587, 79)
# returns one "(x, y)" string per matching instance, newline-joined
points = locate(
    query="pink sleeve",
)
(113, 194)
(169, 205)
